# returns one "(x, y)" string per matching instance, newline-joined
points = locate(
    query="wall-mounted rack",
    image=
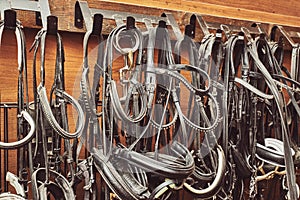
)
(83, 13)
(40, 6)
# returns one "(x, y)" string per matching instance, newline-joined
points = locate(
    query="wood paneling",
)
(281, 12)
(268, 11)
(8, 61)
(288, 7)
(73, 67)
(9, 77)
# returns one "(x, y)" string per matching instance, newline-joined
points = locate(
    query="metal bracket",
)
(78, 19)
(193, 26)
(38, 18)
(174, 26)
(206, 26)
(84, 14)
(284, 33)
(93, 22)
(10, 19)
(259, 27)
(52, 25)
(203, 25)
(41, 6)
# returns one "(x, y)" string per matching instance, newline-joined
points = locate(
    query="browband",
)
(167, 166)
(115, 179)
(41, 90)
(50, 117)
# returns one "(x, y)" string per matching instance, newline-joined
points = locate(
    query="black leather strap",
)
(286, 141)
(115, 179)
(165, 165)
(60, 189)
(41, 36)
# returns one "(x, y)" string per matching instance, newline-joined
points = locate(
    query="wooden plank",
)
(290, 7)
(227, 11)
(73, 67)
(267, 11)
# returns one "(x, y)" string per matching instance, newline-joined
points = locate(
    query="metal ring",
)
(118, 37)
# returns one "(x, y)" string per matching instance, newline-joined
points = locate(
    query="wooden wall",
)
(275, 12)
(268, 11)
(9, 78)
(264, 11)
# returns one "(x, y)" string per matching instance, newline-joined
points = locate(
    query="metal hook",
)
(286, 35)
(10, 19)
(203, 25)
(226, 30)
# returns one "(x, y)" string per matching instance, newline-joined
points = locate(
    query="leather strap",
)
(26, 139)
(286, 141)
(61, 183)
(115, 180)
(43, 96)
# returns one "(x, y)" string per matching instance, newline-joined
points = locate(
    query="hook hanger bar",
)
(108, 14)
(174, 25)
(286, 35)
(228, 29)
(205, 26)
(85, 14)
(41, 6)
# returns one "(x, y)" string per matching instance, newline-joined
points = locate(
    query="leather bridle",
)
(280, 108)
(22, 110)
(56, 116)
